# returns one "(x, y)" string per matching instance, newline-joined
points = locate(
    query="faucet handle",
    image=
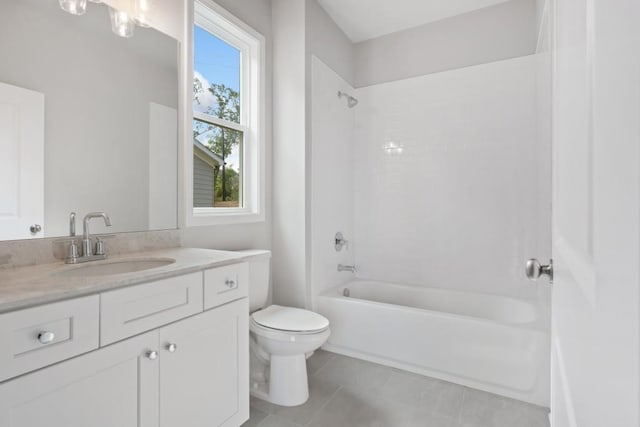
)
(73, 252)
(72, 224)
(100, 247)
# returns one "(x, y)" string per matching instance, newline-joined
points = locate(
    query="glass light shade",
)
(121, 23)
(74, 7)
(142, 11)
(95, 1)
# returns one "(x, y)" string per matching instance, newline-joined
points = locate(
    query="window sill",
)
(232, 216)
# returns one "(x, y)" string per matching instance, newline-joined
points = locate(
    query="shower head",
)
(351, 101)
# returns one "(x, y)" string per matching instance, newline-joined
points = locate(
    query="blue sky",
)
(217, 61)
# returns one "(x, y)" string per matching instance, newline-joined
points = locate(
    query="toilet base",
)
(290, 387)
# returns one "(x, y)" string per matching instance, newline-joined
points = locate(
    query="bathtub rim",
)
(541, 323)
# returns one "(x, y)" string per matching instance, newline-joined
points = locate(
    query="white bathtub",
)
(493, 343)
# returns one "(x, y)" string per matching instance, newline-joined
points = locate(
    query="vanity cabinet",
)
(192, 372)
(129, 311)
(113, 386)
(204, 380)
(40, 336)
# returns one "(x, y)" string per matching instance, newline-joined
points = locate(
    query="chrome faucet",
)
(87, 245)
(88, 253)
(351, 268)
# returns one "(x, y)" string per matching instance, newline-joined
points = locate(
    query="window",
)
(227, 106)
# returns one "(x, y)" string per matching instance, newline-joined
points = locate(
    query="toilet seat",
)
(290, 320)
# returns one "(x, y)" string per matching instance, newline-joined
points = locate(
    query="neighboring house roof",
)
(205, 154)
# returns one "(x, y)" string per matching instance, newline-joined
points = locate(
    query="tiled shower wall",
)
(331, 177)
(448, 184)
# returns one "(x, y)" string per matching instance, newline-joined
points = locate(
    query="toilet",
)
(281, 340)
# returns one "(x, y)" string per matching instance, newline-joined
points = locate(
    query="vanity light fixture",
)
(74, 7)
(141, 11)
(123, 19)
(122, 23)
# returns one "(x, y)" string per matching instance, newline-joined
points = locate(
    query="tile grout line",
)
(458, 418)
(321, 409)
(277, 416)
(323, 365)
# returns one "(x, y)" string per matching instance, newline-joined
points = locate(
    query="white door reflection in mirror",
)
(163, 168)
(21, 162)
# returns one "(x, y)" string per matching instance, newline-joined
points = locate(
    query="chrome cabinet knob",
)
(230, 283)
(534, 269)
(46, 337)
(171, 347)
(35, 228)
(151, 355)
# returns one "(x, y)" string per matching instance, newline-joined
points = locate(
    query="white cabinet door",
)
(21, 162)
(204, 382)
(114, 386)
(596, 213)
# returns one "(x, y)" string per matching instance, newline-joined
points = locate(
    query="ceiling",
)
(367, 19)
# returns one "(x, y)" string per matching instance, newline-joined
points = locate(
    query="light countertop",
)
(29, 286)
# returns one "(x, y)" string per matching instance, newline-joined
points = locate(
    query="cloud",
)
(206, 98)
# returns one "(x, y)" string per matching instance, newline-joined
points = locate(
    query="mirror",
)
(88, 122)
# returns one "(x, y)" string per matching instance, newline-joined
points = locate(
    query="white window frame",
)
(251, 44)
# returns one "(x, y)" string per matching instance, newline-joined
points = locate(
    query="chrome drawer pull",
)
(151, 355)
(46, 337)
(171, 348)
(230, 283)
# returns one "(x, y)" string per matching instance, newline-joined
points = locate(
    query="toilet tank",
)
(259, 278)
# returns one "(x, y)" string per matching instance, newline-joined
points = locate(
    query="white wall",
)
(543, 22)
(163, 167)
(301, 29)
(289, 260)
(507, 30)
(540, 12)
(458, 208)
(331, 177)
(328, 42)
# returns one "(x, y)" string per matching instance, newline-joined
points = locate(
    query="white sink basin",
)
(107, 268)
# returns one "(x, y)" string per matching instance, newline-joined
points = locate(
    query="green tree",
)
(220, 141)
(232, 186)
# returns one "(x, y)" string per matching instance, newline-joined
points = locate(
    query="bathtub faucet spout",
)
(351, 268)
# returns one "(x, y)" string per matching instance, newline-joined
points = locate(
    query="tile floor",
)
(347, 392)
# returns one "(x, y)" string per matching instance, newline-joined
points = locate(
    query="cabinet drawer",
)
(140, 308)
(40, 336)
(224, 284)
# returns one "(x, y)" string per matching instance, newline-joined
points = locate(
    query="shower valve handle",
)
(341, 242)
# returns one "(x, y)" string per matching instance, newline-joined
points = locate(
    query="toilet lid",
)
(290, 319)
